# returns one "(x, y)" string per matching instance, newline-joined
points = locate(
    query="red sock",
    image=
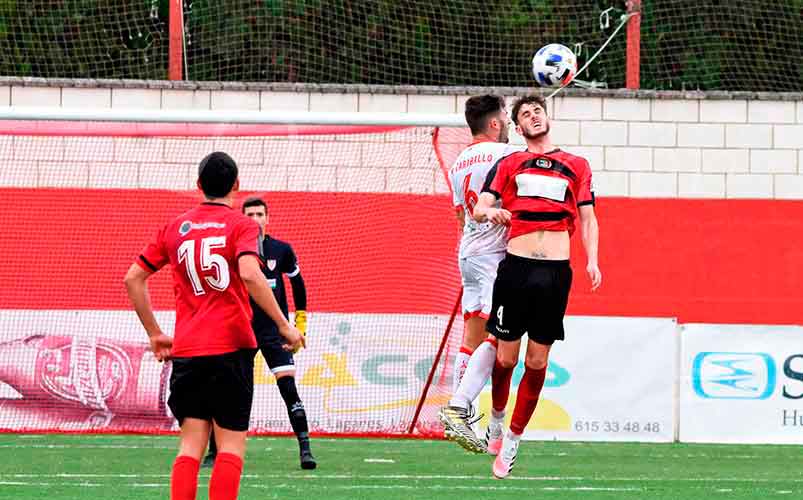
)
(529, 390)
(225, 481)
(184, 479)
(500, 385)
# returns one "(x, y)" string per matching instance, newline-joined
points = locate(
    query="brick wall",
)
(638, 147)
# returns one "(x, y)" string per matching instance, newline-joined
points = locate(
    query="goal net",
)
(366, 209)
(752, 45)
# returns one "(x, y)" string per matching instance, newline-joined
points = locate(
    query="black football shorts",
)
(219, 388)
(270, 343)
(530, 296)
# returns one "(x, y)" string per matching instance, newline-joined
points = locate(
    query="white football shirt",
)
(467, 177)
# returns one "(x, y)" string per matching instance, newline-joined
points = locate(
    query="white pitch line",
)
(474, 488)
(418, 477)
(65, 475)
(586, 488)
(89, 446)
(159, 440)
(21, 483)
(379, 461)
(299, 486)
(343, 487)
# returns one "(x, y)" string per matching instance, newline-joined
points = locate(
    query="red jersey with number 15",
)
(213, 315)
(541, 191)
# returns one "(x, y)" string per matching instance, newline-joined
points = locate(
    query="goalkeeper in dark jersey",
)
(279, 259)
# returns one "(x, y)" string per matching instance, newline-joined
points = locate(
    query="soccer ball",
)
(554, 65)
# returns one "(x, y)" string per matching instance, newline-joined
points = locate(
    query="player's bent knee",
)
(536, 361)
(507, 362)
(535, 364)
(475, 332)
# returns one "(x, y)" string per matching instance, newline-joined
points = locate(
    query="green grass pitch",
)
(57, 467)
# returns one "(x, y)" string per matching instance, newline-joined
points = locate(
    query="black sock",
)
(295, 409)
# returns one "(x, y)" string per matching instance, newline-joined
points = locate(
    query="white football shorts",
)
(478, 273)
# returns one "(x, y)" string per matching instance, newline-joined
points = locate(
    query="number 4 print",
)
(209, 260)
(499, 314)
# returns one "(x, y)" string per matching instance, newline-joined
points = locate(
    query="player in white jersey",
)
(482, 247)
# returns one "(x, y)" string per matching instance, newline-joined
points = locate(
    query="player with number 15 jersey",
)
(199, 245)
(212, 251)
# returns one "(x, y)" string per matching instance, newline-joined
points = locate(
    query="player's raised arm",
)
(259, 290)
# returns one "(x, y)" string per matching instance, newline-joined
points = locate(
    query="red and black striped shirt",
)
(541, 191)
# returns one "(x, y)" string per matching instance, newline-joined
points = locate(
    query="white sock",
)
(460, 364)
(477, 373)
(512, 436)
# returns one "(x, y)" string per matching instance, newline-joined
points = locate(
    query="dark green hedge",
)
(83, 39)
(719, 44)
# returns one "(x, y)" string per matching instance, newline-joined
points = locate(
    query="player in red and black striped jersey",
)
(213, 253)
(543, 192)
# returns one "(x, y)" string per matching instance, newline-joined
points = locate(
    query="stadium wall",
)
(693, 187)
(644, 145)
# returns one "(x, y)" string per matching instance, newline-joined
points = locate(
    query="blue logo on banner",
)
(733, 375)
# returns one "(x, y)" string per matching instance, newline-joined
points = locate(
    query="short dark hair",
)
(217, 174)
(255, 201)
(480, 108)
(528, 99)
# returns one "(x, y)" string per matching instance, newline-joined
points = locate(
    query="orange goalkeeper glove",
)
(300, 319)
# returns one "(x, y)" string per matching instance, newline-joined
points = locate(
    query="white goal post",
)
(362, 197)
(233, 116)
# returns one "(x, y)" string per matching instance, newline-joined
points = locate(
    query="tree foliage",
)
(686, 44)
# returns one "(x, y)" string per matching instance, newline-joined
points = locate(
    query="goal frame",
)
(50, 121)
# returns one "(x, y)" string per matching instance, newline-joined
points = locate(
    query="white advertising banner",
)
(93, 371)
(741, 384)
(612, 379)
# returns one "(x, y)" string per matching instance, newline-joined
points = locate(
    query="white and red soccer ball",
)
(554, 65)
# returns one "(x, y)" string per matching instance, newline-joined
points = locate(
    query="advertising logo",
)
(733, 375)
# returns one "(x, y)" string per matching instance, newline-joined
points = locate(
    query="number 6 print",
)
(469, 196)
